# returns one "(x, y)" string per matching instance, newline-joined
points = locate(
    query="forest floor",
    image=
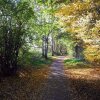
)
(52, 82)
(84, 80)
(25, 85)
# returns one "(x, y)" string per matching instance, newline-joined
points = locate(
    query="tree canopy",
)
(51, 26)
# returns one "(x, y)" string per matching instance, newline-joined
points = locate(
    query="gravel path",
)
(56, 86)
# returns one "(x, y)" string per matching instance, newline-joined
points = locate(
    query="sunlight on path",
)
(56, 87)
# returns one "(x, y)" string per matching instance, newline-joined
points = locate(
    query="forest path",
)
(56, 86)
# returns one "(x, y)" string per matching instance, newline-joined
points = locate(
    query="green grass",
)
(34, 60)
(73, 61)
(41, 62)
(76, 63)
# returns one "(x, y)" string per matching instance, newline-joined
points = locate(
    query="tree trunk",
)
(43, 44)
(53, 46)
(78, 52)
(45, 47)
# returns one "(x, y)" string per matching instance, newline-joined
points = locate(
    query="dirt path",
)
(56, 87)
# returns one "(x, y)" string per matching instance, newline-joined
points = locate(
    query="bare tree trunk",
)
(43, 44)
(45, 47)
(53, 46)
(78, 52)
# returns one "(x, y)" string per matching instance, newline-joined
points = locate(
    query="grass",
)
(73, 61)
(76, 63)
(40, 62)
(34, 60)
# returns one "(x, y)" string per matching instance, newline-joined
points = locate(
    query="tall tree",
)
(81, 18)
(14, 17)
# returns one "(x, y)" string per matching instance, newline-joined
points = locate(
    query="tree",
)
(45, 23)
(81, 18)
(14, 17)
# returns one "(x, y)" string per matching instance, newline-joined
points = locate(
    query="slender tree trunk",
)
(53, 46)
(46, 47)
(43, 44)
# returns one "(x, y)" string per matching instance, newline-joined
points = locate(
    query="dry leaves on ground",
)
(24, 86)
(84, 83)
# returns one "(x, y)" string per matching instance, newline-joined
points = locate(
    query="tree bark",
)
(79, 52)
(43, 43)
(45, 47)
(53, 46)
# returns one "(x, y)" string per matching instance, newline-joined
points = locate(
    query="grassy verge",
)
(34, 60)
(41, 62)
(75, 63)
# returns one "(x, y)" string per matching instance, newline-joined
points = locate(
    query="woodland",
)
(49, 50)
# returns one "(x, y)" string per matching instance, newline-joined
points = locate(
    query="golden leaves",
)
(83, 20)
(92, 53)
(73, 8)
(25, 86)
(84, 82)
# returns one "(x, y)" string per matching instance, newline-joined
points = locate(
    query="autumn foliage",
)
(82, 19)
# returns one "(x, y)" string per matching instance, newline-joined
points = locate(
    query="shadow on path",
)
(56, 86)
